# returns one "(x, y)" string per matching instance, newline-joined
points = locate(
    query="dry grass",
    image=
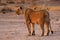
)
(51, 8)
(54, 7)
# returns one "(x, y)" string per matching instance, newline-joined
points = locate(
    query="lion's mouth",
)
(17, 15)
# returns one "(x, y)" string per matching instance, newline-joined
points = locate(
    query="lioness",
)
(40, 17)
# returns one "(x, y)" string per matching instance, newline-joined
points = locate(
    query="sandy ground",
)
(13, 27)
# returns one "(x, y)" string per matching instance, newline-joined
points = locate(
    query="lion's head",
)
(19, 11)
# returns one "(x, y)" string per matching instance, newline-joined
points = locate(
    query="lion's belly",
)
(36, 18)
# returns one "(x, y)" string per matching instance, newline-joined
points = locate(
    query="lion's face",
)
(19, 11)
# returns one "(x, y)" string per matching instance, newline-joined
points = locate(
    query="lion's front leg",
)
(28, 27)
(33, 29)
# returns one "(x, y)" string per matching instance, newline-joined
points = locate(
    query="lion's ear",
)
(20, 7)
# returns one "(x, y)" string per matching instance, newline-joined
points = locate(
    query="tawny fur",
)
(40, 17)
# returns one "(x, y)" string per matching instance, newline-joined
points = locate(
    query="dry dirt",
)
(13, 27)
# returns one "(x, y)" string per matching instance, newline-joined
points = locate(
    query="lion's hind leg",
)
(42, 28)
(51, 29)
(47, 29)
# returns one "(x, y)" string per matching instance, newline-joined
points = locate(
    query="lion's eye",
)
(20, 7)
